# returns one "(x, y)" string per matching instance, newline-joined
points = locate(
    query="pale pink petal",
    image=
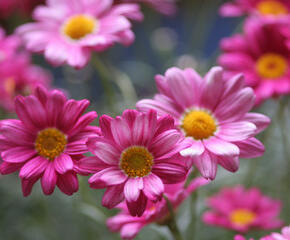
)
(220, 147)
(196, 149)
(250, 148)
(153, 187)
(261, 121)
(130, 230)
(48, 180)
(132, 189)
(207, 165)
(236, 131)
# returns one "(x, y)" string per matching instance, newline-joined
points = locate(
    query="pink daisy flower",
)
(268, 9)
(242, 210)
(47, 141)
(130, 226)
(262, 55)
(67, 31)
(213, 115)
(134, 158)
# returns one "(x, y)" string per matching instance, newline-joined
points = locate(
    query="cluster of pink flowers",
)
(17, 74)
(262, 52)
(144, 158)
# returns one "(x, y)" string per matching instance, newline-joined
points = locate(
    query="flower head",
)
(134, 158)
(47, 141)
(68, 31)
(262, 55)
(269, 10)
(241, 210)
(130, 226)
(18, 76)
(213, 115)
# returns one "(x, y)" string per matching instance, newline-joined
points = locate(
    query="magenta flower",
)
(68, 31)
(242, 210)
(134, 158)
(267, 9)
(130, 226)
(47, 141)
(213, 115)
(17, 74)
(285, 235)
(262, 55)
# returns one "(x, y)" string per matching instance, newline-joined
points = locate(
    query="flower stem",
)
(104, 74)
(171, 223)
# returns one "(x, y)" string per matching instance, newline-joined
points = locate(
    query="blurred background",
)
(188, 39)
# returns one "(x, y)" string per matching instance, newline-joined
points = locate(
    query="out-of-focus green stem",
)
(171, 222)
(105, 76)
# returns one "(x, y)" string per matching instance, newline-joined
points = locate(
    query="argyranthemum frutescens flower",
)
(130, 226)
(47, 141)
(242, 210)
(134, 158)
(68, 31)
(213, 114)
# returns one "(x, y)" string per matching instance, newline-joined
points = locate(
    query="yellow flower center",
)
(242, 217)
(271, 65)
(136, 161)
(9, 85)
(79, 26)
(50, 143)
(272, 7)
(199, 124)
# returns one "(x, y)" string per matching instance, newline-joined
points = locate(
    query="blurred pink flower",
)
(47, 142)
(285, 235)
(262, 55)
(17, 74)
(240, 237)
(242, 210)
(267, 9)
(213, 114)
(67, 31)
(167, 7)
(129, 226)
(136, 156)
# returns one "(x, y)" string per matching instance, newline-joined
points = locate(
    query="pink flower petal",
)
(153, 187)
(54, 106)
(137, 208)
(18, 154)
(250, 148)
(221, 147)
(196, 149)
(130, 230)
(83, 122)
(68, 183)
(27, 185)
(207, 165)
(230, 163)
(34, 167)
(63, 163)
(261, 121)
(132, 189)
(7, 168)
(121, 132)
(108, 176)
(236, 131)
(48, 180)
(113, 196)
(169, 172)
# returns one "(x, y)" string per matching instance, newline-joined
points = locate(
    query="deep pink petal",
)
(48, 180)
(68, 183)
(18, 154)
(137, 208)
(132, 189)
(230, 163)
(108, 176)
(170, 172)
(261, 121)
(34, 167)
(27, 185)
(63, 163)
(250, 148)
(7, 168)
(113, 196)
(121, 132)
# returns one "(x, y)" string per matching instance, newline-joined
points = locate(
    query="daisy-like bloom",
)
(134, 158)
(242, 210)
(8, 45)
(213, 115)
(284, 235)
(47, 141)
(262, 55)
(267, 9)
(67, 31)
(167, 7)
(129, 226)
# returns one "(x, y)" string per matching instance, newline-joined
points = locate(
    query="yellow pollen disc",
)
(50, 143)
(271, 65)
(136, 161)
(199, 125)
(272, 7)
(79, 26)
(9, 85)
(242, 217)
